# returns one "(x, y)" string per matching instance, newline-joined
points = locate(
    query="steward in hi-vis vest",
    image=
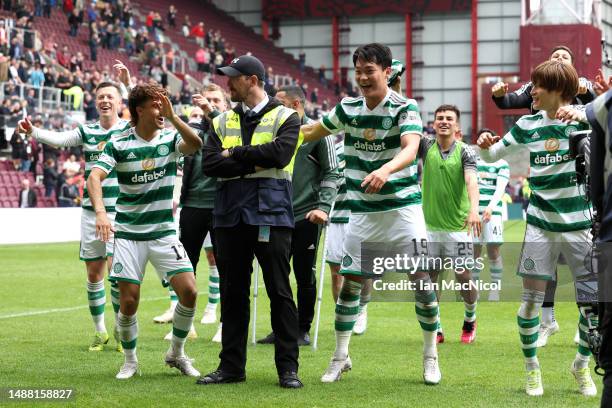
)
(251, 150)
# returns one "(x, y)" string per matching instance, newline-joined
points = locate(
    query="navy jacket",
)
(250, 200)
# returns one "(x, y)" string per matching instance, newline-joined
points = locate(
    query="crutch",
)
(321, 284)
(255, 292)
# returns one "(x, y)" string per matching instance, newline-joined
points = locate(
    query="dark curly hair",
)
(140, 94)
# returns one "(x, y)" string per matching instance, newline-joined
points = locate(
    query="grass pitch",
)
(45, 330)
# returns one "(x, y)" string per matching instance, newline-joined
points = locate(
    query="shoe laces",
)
(533, 379)
(336, 365)
(127, 367)
(583, 377)
(430, 363)
(97, 340)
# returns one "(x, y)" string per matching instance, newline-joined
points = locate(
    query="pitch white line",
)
(70, 309)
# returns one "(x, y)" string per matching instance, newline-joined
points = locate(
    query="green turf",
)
(50, 350)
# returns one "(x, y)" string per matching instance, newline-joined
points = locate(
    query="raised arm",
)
(56, 139)
(190, 142)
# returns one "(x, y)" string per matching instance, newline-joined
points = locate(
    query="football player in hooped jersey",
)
(382, 133)
(556, 216)
(492, 181)
(145, 160)
(96, 254)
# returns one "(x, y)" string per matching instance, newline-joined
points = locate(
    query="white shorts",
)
(492, 231)
(397, 228)
(335, 240)
(457, 244)
(207, 243)
(541, 251)
(92, 248)
(166, 254)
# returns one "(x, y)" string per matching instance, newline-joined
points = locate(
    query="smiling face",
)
(445, 123)
(371, 79)
(108, 102)
(149, 114)
(544, 99)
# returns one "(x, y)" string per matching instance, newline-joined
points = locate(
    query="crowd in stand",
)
(110, 25)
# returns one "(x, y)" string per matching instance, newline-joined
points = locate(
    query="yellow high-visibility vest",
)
(227, 127)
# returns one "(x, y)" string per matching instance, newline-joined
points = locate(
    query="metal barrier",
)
(45, 98)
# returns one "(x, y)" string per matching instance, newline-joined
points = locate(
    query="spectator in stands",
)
(186, 26)
(31, 97)
(127, 15)
(197, 32)
(149, 22)
(169, 57)
(50, 177)
(16, 48)
(302, 61)
(94, 41)
(171, 16)
(37, 77)
(27, 197)
(68, 7)
(92, 14)
(63, 57)
(114, 37)
(71, 165)
(68, 193)
(13, 72)
(50, 76)
(89, 106)
(218, 60)
(74, 21)
(4, 66)
(38, 6)
(158, 23)
(202, 57)
(429, 128)
(19, 152)
(322, 78)
(76, 62)
(314, 96)
(128, 40)
(3, 38)
(47, 8)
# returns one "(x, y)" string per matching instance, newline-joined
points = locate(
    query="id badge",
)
(264, 233)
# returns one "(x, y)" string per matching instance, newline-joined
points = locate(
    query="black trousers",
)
(605, 316)
(194, 224)
(235, 249)
(304, 243)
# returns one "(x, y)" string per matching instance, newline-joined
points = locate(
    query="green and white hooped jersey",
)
(371, 139)
(556, 203)
(341, 212)
(146, 172)
(94, 139)
(488, 173)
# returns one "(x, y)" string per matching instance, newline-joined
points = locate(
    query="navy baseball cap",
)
(244, 65)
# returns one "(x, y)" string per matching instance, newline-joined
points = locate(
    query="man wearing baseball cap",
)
(251, 150)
